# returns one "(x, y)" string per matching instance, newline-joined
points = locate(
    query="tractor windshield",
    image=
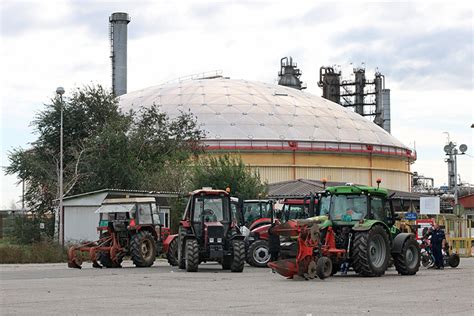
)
(344, 207)
(211, 209)
(256, 210)
(295, 211)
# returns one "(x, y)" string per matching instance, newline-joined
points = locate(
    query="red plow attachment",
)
(306, 264)
(107, 245)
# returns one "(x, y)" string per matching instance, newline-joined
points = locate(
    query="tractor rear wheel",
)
(172, 254)
(323, 268)
(370, 252)
(143, 249)
(407, 262)
(192, 255)
(259, 254)
(238, 256)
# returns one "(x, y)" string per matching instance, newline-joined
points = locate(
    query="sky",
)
(424, 49)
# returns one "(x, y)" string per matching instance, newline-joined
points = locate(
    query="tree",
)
(103, 148)
(227, 171)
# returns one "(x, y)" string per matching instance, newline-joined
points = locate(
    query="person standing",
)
(273, 243)
(438, 242)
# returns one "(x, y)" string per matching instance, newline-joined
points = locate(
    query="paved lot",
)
(53, 289)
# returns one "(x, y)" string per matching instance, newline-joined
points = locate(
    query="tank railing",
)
(302, 146)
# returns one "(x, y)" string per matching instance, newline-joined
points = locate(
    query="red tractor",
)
(127, 227)
(208, 232)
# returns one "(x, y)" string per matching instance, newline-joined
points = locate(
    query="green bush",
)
(27, 230)
(38, 252)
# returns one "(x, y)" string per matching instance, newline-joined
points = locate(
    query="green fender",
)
(368, 224)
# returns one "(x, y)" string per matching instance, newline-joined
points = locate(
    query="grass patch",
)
(40, 252)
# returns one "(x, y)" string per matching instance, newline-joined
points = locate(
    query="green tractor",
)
(359, 231)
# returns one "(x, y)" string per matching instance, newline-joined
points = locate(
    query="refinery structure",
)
(281, 131)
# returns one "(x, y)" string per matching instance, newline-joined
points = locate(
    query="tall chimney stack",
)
(118, 51)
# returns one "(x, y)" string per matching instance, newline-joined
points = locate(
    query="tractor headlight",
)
(219, 240)
(211, 239)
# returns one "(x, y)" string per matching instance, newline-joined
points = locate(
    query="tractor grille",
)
(215, 232)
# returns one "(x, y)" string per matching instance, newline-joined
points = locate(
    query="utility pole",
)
(60, 91)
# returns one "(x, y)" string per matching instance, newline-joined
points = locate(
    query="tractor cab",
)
(130, 212)
(298, 208)
(352, 205)
(209, 208)
(257, 212)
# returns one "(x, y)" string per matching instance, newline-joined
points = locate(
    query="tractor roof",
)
(356, 189)
(295, 201)
(130, 200)
(209, 191)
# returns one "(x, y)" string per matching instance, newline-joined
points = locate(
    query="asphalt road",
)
(53, 289)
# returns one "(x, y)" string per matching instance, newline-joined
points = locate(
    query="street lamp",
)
(60, 91)
(451, 151)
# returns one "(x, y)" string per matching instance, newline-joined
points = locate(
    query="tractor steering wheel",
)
(209, 215)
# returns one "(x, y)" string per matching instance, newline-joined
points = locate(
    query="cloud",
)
(413, 52)
(425, 51)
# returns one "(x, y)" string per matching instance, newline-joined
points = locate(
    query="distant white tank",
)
(282, 132)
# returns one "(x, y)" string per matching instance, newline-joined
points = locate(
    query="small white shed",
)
(80, 220)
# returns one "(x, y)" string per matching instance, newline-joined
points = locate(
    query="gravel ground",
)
(53, 289)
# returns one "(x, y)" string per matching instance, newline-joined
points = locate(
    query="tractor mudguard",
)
(368, 224)
(237, 237)
(399, 240)
(168, 241)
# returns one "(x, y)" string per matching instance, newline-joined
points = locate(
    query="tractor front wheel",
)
(192, 255)
(238, 256)
(407, 262)
(259, 254)
(370, 252)
(143, 249)
(172, 254)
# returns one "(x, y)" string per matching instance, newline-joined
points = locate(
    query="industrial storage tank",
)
(284, 133)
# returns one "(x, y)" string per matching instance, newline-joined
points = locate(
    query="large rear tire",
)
(192, 255)
(259, 254)
(172, 254)
(407, 262)
(143, 249)
(370, 252)
(238, 256)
